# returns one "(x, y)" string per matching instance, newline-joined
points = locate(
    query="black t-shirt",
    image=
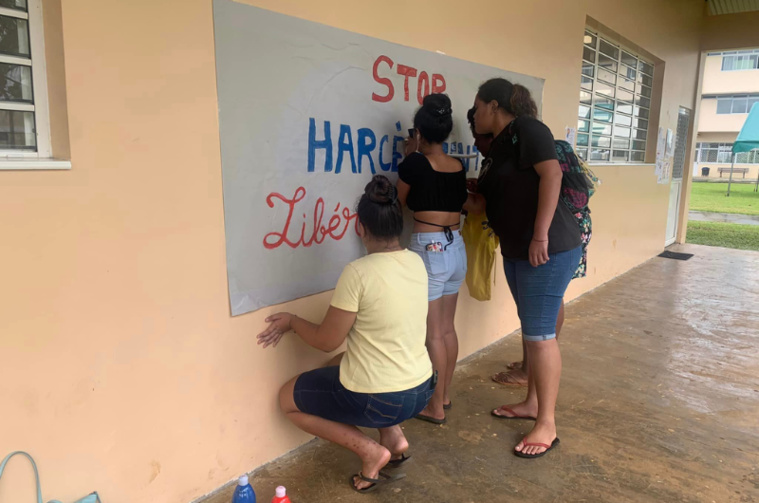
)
(510, 186)
(432, 190)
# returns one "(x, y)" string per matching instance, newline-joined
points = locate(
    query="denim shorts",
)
(446, 269)
(320, 393)
(539, 291)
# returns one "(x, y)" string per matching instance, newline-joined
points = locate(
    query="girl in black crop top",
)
(433, 185)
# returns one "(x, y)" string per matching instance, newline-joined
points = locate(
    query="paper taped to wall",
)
(308, 113)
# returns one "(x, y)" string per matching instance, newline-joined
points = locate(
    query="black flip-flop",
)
(431, 419)
(395, 463)
(384, 479)
(537, 444)
(447, 406)
(514, 416)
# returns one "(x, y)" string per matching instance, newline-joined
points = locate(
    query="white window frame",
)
(724, 154)
(737, 56)
(42, 158)
(732, 98)
(637, 107)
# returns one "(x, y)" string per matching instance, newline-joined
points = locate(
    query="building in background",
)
(730, 88)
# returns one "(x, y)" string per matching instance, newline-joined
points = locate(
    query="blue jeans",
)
(539, 291)
(446, 269)
(320, 393)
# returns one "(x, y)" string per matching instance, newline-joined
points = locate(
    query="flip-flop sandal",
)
(513, 415)
(430, 419)
(395, 463)
(537, 444)
(507, 379)
(384, 478)
(447, 406)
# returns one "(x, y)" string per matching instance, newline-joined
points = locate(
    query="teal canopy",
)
(748, 138)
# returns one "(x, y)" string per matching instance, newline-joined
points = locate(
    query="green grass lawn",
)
(705, 196)
(741, 237)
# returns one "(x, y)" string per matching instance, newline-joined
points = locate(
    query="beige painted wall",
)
(731, 82)
(56, 77)
(730, 32)
(710, 121)
(120, 367)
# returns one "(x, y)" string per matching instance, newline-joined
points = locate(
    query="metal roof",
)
(717, 7)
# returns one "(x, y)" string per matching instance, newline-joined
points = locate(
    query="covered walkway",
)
(659, 402)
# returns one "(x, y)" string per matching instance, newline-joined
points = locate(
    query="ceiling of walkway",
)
(718, 7)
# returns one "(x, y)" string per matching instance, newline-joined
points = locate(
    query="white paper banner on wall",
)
(307, 113)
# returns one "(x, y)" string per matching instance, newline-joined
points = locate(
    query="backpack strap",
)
(36, 473)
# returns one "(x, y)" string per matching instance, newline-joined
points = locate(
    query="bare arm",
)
(475, 204)
(548, 198)
(326, 337)
(403, 190)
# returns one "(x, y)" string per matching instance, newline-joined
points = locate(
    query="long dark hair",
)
(379, 210)
(434, 119)
(514, 98)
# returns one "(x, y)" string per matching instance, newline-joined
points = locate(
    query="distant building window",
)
(736, 104)
(722, 153)
(615, 102)
(740, 60)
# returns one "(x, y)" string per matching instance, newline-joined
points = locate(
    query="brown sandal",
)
(508, 379)
(513, 415)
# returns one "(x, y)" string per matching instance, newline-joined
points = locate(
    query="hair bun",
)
(381, 191)
(442, 112)
(438, 105)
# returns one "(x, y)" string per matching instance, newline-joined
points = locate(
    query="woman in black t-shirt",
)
(540, 242)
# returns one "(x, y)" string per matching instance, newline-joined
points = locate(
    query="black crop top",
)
(432, 190)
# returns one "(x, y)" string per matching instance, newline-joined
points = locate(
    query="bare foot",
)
(371, 465)
(542, 433)
(394, 441)
(515, 365)
(515, 377)
(520, 409)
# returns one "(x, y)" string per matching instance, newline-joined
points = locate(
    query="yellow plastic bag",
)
(481, 243)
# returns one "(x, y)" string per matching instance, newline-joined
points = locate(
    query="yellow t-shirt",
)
(386, 350)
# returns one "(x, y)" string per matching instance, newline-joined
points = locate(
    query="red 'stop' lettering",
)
(406, 71)
(423, 88)
(384, 81)
(438, 83)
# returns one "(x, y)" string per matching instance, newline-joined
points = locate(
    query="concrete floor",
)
(727, 218)
(659, 403)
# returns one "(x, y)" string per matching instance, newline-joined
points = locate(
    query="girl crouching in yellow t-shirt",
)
(385, 377)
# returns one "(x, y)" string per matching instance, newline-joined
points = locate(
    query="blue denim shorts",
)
(320, 393)
(539, 291)
(446, 269)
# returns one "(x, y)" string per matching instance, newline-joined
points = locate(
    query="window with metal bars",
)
(615, 102)
(24, 123)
